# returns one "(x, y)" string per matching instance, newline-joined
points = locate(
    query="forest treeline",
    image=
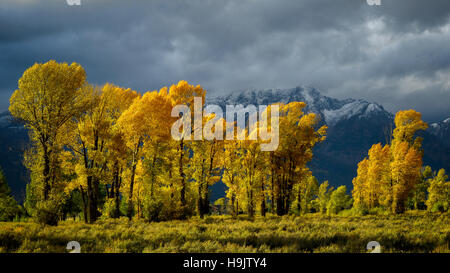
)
(107, 151)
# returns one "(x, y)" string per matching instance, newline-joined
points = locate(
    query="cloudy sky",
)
(397, 54)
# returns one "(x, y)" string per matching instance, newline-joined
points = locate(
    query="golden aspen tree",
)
(148, 117)
(183, 94)
(360, 185)
(92, 139)
(205, 164)
(268, 167)
(378, 175)
(84, 138)
(251, 160)
(406, 157)
(116, 148)
(47, 97)
(232, 175)
(158, 164)
(298, 136)
(389, 176)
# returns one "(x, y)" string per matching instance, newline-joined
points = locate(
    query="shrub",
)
(47, 212)
(152, 210)
(109, 209)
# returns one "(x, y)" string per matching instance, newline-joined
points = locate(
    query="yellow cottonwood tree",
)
(95, 142)
(49, 95)
(147, 118)
(183, 94)
(390, 174)
(406, 156)
(205, 163)
(298, 136)
(232, 174)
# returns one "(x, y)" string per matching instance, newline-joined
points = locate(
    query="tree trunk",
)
(92, 201)
(250, 209)
(233, 200)
(263, 200)
(205, 200)
(46, 173)
(133, 173)
(182, 175)
(130, 196)
(117, 197)
(200, 201)
(83, 200)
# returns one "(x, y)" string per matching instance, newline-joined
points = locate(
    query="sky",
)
(396, 54)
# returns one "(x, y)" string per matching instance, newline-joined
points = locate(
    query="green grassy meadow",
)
(411, 232)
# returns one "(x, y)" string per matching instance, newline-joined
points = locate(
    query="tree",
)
(147, 118)
(439, 193)
(205, 164)
(252, 170)
(298, 136)
(184, 94)
(232, 175)
(390, 174)
(323, 196)
(8, 206)
(307, 191)
(48, 96)
(96, 146)
(339, 200)
(371, 187)
(419, 194)
(360, 186)
(406, 157)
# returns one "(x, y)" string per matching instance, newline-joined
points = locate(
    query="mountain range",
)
(353, 127)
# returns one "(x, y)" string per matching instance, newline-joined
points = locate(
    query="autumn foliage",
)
(107, 151)
(390, 174)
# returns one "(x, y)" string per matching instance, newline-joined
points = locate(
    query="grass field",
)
(412, 232)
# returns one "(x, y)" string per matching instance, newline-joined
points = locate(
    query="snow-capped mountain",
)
(331, 110)
(441, 130)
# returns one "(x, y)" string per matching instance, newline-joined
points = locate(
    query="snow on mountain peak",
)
(330, 109)
(358, 108)
(440, 128)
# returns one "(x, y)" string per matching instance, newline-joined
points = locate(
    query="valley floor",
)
(412, 232)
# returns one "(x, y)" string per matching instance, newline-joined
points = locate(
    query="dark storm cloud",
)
(397, 54)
